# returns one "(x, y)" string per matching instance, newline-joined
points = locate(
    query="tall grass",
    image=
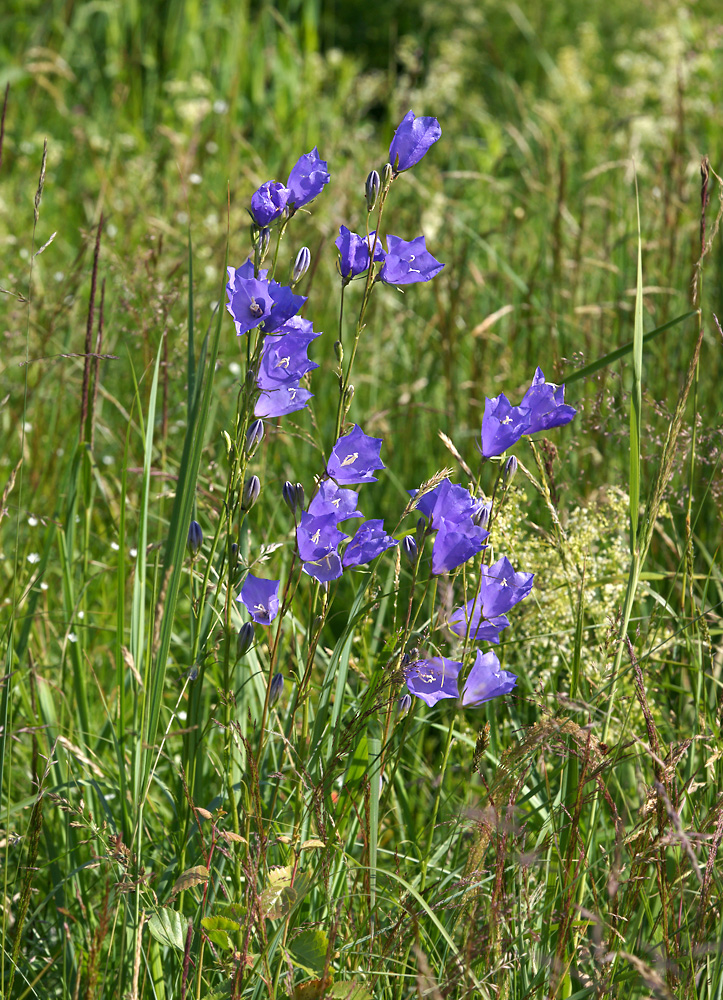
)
(161, 839)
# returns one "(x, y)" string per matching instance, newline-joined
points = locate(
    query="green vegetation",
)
(159, 838)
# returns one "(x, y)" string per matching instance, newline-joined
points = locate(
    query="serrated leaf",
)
(189, 878)
(309, 950)
(167, 927)
(349, 991)
(278, 899)
(314, 842)
(218, 929)
(221, 993)
(235, 912)
(312, 989)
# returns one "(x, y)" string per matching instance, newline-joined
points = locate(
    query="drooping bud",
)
(245, 639)
(195, 538)
(371, 189)
(277, 686)
(254, 436)
(403, 705)
(508, 473)
(301, 265)
(250, 492)
(387, 174)
(410, 549)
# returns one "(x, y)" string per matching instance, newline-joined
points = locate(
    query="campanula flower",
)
(307, 179)
(279, 402)
(372, 186)
(502, 425)
(404, 703)
(449, 502)
(410, 549)
(249, 298)
(260, 598)
(434, 679)
(268, 202)
(412, 139)
(317, 536)
(285, 305)
(355, 251)
(369, 541)
(330, 499)
(245, 639)
(250, 492)
(501, 587)
(480, 629)
(546, 403)
(455, 543)
(284, 360)
(301, 265)
(254, 436)
(275, 688)
(354, 458)
(290, 493)
(324, 570)
(407, 262)
(486, 680)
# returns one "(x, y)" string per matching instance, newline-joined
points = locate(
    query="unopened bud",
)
(482, 517)
(338, 351)
(245, 639)
(263, 241)
(233, 555)
(275, 689)
(288, 492)
(410, 549)
(371, 189)
(254, 436)
(250, 493)
(301, 265)
(300, 496)
(508, 473)
(403, 705)
(349, 395)
(195, 538)
(387, 174)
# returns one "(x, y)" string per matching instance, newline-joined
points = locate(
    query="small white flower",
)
(220, 106)
(32, 521)
(72, 637)
(43, 585)
(133, 553)
(235, 368)
(115, 546)
(195, 178)
(81, 614)
(108, 460)
(34, 557)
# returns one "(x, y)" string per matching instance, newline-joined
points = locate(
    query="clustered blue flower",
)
(542, 408)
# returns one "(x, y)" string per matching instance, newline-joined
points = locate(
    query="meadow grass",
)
(168, 831)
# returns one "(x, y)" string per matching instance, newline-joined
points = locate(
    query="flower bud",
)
(338, 351)
(403, 705)
(387, 174)
(371, 189)
(245, 639)
(300, 496)
(195, 538)
(289, 494)
(277, 686)
(263, 241)
(349, 395)
(410, 549)
(250, 492)
(233, 555)
(508, 473)
(482, 517)
(254, 436)
(301, 265)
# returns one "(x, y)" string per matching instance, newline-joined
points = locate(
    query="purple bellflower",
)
(354, 458)
(412, 139)
(249, 297)
(455, 543)
(332, 500)
(317, 536)
(324, 570)
(355, 251)
(284, 361)
(546, 403)
(502, 425)
(486, 680)
(434, 679)
(408, 262)
(369, 541)
(501, 588)
(285, 306)
(260, 598)
(307, 179)
(481, 629)
(278, 402)
(268, 202)
(449, 502)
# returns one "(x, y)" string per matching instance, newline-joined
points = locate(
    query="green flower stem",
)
(435, 809)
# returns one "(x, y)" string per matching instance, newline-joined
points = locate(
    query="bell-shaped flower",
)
(330, 499)
(486, 680)
(285, 305)
(412, 139)
(284, 360)
(268, 202)
(449, 502)
(354, 458)
(408, 262)
(249, 298)
(324, 570)
(355, 251)
(260, 598)
(501, 588)
(433, 679)
(307, 179)
(369, 541)
(481, 629)
(317, 536)
(546, 403)
(278, 402)
(455, 543)
(502, 425)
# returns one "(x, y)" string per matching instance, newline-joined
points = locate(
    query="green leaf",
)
(189, 878)
(280, 896)
(219, 930)
(351, 990)
(358, 763)
(167, 927)
(309, 950)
